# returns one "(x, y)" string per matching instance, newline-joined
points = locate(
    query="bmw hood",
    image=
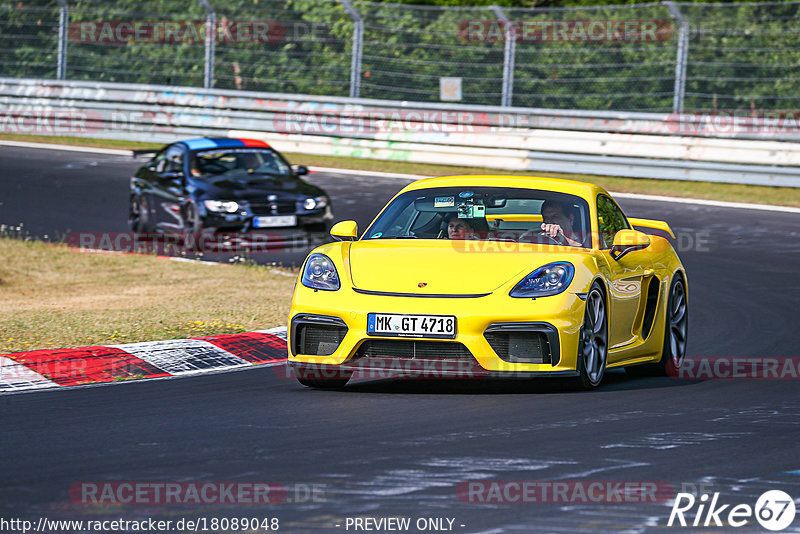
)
(442, 266)
(246, 186)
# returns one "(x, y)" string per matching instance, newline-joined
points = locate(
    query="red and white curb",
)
(51, 368)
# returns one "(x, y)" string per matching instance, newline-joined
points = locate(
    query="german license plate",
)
(405, 325)
(275, 221)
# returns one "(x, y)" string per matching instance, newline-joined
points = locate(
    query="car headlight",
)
(320, 273)
(550, 279)
(228, 206)
(315, 203)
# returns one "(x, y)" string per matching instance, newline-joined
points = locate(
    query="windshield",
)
(485, 213)
(216, 162)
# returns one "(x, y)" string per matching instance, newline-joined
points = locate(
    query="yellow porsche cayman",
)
(491, 275)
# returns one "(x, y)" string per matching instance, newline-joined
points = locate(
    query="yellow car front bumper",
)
(559, 317)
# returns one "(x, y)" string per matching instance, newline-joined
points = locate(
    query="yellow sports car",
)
(491, 275)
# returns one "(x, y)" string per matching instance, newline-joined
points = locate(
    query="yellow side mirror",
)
(626, 241)
(345, 231)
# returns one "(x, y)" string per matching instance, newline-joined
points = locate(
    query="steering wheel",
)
(556, 240)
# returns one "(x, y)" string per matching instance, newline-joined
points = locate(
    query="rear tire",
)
(676, 327)
(593, 344)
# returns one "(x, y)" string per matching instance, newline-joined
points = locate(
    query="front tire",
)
(137, 214)
(593, 344)
(316, 378)
(192, 222)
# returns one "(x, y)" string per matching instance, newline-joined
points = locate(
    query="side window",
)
(158, 161)
(174, 159)
(610, 220)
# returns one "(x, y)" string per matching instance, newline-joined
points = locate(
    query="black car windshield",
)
(216, 162)
(485, 213)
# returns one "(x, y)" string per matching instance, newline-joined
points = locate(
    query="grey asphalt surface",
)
(398, 448)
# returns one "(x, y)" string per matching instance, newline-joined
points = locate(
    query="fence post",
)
(358, 41)
(509, 54)
(211, 34)
(682, 58)
(63, 23)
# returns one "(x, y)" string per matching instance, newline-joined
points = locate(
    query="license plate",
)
(275, 221)
(395, 324)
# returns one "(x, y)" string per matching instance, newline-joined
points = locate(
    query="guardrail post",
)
(683, 54)
(358, 41)
(63, 23)
(210, 42)
(509, 55)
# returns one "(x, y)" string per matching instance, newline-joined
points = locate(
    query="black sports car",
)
(224, 185)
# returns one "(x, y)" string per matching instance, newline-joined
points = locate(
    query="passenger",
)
(558, 225)
(459, 228)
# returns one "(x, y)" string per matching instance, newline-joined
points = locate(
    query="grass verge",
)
(782, 196)
(52, 296)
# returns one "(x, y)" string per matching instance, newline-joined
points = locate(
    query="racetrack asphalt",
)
(401, 448)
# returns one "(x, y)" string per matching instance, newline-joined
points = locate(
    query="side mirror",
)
(626, 241)
(172, 175)
(300, 170)
(345, 231)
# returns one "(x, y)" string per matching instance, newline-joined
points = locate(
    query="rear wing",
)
(650, 223)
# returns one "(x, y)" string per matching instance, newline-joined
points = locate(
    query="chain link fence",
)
(641, 57)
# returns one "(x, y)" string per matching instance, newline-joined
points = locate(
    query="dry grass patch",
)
(52, 296)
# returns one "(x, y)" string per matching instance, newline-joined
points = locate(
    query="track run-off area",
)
(437, 451)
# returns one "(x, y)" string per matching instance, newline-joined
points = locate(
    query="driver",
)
(558, 225)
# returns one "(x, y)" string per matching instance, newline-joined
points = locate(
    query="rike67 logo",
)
(774, 510)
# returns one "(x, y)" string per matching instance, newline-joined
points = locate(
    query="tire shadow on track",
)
(614, 381)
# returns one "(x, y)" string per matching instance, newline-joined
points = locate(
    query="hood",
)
(453, 267)
(247, 186)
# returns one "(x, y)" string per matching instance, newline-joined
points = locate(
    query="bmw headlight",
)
(315, 203)
(550, 279)
(320, 273)
(227, 206)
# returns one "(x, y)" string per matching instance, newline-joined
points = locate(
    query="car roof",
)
(585, 190)
(202, 143)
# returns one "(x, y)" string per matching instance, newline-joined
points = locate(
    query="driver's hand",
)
(553, 230)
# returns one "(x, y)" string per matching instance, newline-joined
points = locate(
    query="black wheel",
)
(192, 222)
(322, 378)
(593, 344)
(676, 327)
(137, 214)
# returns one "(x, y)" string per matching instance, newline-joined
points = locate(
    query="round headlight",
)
(320, 273)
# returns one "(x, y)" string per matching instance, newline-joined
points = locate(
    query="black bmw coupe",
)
(224, 185)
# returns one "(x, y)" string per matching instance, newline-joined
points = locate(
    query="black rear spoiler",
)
(144, 152)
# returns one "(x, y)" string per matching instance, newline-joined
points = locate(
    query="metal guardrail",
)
(601, 143)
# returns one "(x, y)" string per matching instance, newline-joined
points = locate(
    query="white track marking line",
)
(69, 148)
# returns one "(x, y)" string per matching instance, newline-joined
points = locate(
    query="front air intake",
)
(413, 350)
(317, 335)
